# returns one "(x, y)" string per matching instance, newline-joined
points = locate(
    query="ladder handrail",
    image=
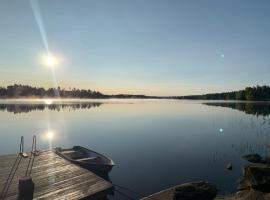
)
(34, 153)
(22, 145)
(13, 170)
(34, 144)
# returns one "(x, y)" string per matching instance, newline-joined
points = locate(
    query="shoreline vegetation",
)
(258, 93)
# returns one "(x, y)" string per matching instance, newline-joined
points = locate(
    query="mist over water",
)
(154, 143)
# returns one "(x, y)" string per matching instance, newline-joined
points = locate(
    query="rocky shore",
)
(253, 185)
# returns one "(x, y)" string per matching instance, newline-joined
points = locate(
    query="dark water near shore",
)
(154, 143)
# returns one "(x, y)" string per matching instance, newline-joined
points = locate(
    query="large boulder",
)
(256, 176)
(246, 195)
(195, 191)
(254, 158)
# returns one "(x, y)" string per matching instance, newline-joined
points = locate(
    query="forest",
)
(19, 91)
(258, 93)
(26, 91)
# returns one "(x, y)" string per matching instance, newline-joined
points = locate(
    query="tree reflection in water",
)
(258, 109)
(18, 108)
(254, 108)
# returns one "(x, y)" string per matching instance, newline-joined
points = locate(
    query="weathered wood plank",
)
(53, 176)
(44, 179)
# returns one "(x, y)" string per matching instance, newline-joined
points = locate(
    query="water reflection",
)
(134, 134)
(49, 135)
(256, 108)
(241, 150)
(18, 108)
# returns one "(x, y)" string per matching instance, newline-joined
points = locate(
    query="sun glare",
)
(51, 61)
(48, 101)
(49, 135)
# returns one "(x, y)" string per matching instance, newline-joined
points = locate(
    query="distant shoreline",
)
(258, 93)
(127, 98)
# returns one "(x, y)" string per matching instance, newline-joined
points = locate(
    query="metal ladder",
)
(21, 155)
(34, 153)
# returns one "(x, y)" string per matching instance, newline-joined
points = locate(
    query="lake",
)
(154, 143)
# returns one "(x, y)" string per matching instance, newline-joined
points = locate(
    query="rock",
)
(243, 184)
(250, 195)
(254, 158)
(257, 177)
(267, 159)
(195, 191)
(229, 166)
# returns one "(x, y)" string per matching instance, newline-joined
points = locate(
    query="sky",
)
(152, 47)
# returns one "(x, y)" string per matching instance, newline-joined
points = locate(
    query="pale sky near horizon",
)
(153, 47)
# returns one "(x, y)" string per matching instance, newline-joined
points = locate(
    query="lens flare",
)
(38, 17)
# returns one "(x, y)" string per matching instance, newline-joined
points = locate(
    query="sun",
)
(51, 61)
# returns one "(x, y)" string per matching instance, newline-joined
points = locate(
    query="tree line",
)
(258, 93)
(23, 91)
(18, 91)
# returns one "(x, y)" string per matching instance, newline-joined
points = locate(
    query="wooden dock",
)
(54, 178)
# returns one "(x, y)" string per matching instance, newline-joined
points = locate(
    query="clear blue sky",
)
(155, 47)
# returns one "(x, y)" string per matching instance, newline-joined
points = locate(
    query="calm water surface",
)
(154, 143)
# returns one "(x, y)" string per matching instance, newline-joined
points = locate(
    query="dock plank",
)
(53, 176)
